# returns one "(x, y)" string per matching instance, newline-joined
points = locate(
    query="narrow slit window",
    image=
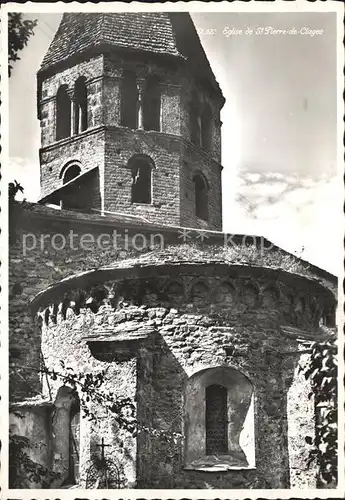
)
(129, 100)
(201, 197)
(63, 113)
(194, 120)
(206, 128)
(141, 180)
(80, 108)
(216, 420)
(152, 105)
(69, 199)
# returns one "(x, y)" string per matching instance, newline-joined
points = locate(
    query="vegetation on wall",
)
(23, 471)
(86, 386)
(322, 371)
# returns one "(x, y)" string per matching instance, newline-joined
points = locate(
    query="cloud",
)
(293, 212)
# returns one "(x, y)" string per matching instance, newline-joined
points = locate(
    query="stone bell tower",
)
(130, 119)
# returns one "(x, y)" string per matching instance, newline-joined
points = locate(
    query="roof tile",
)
(162, 33)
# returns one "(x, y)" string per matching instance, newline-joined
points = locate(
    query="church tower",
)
(130, 119)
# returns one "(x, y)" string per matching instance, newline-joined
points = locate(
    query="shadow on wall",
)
(182, 424)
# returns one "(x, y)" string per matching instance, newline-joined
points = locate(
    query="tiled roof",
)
(164, 33)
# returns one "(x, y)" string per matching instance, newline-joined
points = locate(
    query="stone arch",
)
(270, 296)
(66, 164)
(70, 172)
(225, 293)
(250, 293)
(286, 305)
(149, 293)
(129, 99)
(299, 309)
(174, 292)
(235, 397)
(152, 104)
(141, 167)
(299, 304)
(63, 113)
(65, 437)
(201, 194)
(128, 290)
(199, 291)
(80, 105)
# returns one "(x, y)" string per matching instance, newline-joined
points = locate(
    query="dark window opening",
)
(71, 172)
(201, 197)
(129, 100)
(328, 318)
(72, 198)
(206, 128)
(152, 105)
(80, 102)
(141, 185)
(216, 420)
(74, 444)
(63, 114)
(194, 120)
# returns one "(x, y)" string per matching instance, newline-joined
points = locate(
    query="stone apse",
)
(208, 352)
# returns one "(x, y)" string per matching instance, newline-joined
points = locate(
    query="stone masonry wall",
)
(120, 146)
(195, 160)
(197, 322)
(86, 149)
(64, 341)
(92, 70)
(114, 145)
(169, 85)
(37, 260)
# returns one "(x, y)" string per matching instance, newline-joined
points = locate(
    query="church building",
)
(121, 270)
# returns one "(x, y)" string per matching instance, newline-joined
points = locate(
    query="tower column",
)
(71, 98)
(73, 127)
(141, 90)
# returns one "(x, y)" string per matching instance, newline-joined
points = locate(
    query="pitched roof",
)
(162, 33)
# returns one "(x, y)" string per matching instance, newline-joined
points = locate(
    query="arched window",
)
(206, 127)
(129, 100)
(80, 105)
(216, 420)
(152, 105)
(201, 196)
(71, 173)
(63, 113)
(141, 167)
(194, 119)
(219, 419)
(73, 197)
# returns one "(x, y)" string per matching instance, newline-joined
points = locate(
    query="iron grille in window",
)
(216, 420)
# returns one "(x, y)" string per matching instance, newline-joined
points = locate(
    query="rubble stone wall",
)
(192, 323)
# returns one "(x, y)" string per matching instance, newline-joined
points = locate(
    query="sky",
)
(279, 132)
